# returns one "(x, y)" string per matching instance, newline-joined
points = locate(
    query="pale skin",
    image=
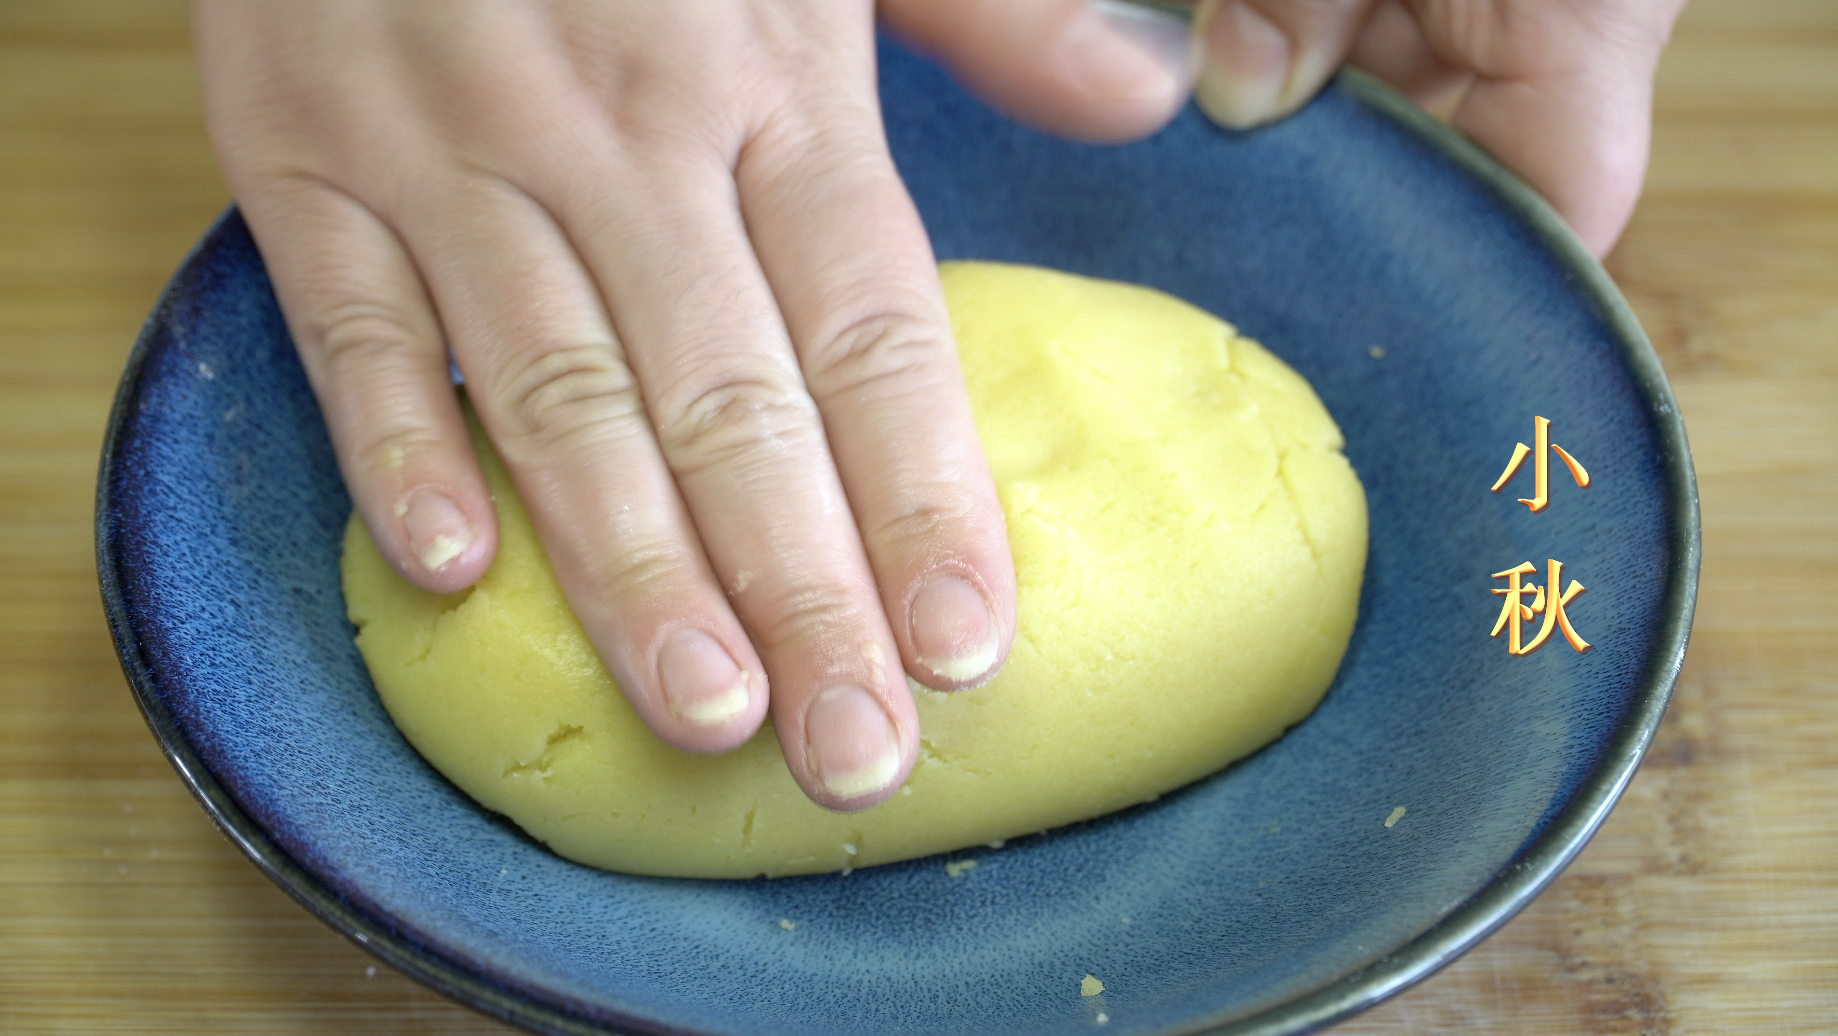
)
(700, 320)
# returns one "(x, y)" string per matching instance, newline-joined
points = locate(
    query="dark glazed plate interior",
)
(1270, 898)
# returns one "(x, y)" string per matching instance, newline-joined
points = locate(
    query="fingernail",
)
(1246, 66)
(850, 743)
(438, 531)
(702, 685)
(1128, 51)
(953, 632)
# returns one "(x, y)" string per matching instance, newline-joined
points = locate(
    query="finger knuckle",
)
(923, 529)
(737, 416)
(393, 447)
(809, 616)
(799, 130)
(641, 578)
(562, 396)
(354, 339)
(884, 354)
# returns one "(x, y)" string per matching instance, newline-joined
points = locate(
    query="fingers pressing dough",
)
(1189, 543)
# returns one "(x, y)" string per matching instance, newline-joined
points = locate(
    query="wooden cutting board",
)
(1708, 903)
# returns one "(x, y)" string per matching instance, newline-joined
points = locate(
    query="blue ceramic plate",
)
(1271, 898)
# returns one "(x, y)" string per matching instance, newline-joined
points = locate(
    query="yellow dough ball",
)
(1189, 543)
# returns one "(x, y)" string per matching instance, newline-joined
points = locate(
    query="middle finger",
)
(740, 432)
(553, 390)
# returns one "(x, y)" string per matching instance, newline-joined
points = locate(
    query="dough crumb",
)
(1090, 986)
(787, 924)
(1375, 351)
(1396, 815)
(846, 871)
(1102, 1018)
(997, 844)
(957, 867)
(849, 847)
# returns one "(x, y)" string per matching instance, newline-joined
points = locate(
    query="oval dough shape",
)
(1189, 543)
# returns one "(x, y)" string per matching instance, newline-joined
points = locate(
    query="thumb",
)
(1097, 70)
(1263, 59)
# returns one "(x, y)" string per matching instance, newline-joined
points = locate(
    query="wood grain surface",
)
(1707, 904)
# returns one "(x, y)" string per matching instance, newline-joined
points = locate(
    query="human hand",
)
(696, 313)
(1559, 90)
